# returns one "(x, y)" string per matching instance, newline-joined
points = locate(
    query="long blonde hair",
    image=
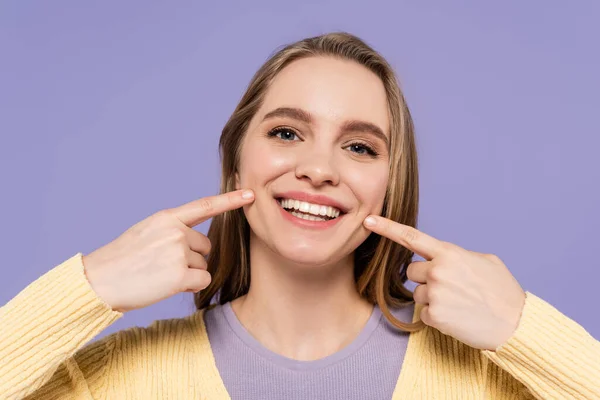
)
(380, 264)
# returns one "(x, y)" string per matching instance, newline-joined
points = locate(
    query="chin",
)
(308, 255)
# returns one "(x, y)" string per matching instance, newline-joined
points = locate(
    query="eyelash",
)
(369, 150)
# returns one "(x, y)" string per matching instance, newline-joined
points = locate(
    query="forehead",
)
(330, 89)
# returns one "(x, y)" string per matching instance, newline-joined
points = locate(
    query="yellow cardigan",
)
(45, 329)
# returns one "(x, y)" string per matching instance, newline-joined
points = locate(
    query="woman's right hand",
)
(159, 256)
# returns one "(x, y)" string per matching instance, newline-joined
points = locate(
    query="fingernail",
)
(247, 194)
(370, 221)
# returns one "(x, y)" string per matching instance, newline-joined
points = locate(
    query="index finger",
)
(422, 244)
(198, 211)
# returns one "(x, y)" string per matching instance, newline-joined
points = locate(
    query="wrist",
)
(90, 272)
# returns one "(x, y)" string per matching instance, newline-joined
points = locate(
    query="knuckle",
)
(434, 274)
(177, 235)
(181, 259)
(207, 278)
(197, 260)
(200, 243)
(433, 294)
(208, 244)
(201, 280)
(409, 235)
(203, 263)
(164, 218)
(165, 214)
(205, 205)
(447, 246)
(435, 314)
(412, 271)
(493, 258)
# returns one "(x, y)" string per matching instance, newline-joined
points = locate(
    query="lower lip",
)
(305, 223)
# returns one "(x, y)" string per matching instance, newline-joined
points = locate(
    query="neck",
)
(303, 312)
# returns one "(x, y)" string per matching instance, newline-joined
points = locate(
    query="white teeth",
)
(314, 209)
(308, 217)
(310, 208)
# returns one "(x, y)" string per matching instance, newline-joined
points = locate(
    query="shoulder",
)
(165, 348)
(160, 334)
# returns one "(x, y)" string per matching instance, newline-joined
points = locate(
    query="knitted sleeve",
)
(44, 332)
(552, 355)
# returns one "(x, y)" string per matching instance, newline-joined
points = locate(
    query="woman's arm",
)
(44, 331)
(552, 355)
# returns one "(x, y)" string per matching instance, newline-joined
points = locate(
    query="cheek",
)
(369, 184)
(260, 163)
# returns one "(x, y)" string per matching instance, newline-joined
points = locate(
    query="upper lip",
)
(312, 198)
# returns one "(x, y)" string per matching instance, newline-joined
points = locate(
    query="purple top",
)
(367, 368)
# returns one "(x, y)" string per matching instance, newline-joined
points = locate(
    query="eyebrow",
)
(351, 125)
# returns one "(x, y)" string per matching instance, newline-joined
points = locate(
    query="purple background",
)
(111, 111)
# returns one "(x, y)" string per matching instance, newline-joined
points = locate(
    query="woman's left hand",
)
(470, 296)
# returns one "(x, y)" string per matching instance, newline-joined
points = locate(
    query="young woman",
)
(311, 241)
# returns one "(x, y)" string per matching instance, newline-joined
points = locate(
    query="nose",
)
(318, 168)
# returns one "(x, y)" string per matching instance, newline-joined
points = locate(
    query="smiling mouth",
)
(309, 211)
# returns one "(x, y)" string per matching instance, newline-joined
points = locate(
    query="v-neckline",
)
(213, 387)
(407, 379)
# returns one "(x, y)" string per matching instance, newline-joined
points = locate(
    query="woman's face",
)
(316, 156)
